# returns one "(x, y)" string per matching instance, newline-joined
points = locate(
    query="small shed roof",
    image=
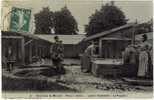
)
(149, 35)
(29, 35)
(67, 39)
(108, 32)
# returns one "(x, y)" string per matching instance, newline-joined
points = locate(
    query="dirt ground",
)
(45, 79)
(86, 82)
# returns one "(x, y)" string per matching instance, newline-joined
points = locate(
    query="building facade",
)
(111, 43)
(26, 48)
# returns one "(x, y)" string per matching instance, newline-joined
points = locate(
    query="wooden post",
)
(30, 53)
(133, 36)
(23, 51)
(133, 33)
(36, 49)
(100, 47)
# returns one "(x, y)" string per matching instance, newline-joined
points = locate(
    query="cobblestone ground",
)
(82, 82)
(86, 82)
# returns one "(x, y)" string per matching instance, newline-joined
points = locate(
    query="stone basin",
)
(40, 71)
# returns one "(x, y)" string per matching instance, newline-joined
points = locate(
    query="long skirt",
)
(85, 63)
(58, 64)
(143, 64)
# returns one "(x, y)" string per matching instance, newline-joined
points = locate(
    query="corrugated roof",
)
(29, 35)
(149, 35)
(108, 32)
(67, 39)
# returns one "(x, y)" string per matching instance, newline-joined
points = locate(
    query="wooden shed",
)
(72, 43)
(25, 47)
(111, 43)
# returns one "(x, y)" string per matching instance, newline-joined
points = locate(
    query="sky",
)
(82, 9)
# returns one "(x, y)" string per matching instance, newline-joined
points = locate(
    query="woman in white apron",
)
(143, 57)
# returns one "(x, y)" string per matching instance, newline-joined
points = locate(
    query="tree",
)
(43, 21)
(64, 22)
(108, 17)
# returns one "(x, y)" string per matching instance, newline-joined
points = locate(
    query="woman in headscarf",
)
(151, 63)
(144, 58)
(57, 55)
(87, 57)
(130, 61)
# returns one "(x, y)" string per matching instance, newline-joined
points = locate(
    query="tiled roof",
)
(108, 32)
(67, 39)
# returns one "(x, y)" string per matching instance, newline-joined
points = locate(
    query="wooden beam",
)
(23, 51)
(12, 37)
(102, 34)
(30, 53)
(28, 42)
(100, 47)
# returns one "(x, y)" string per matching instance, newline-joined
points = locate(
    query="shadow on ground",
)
(48, 72)
(23, 83)
(14, 84)
(52, 72)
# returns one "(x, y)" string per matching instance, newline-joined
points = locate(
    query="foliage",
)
(61, 21)
(43, 21)
(108, 17)
(64, 22)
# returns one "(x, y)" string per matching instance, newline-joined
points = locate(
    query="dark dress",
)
(130, 62)
(86, 59)
(57, 55)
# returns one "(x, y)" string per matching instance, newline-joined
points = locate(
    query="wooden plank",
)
(30, 53)
(100, 47)
(106, 67)
(12, 37)
(108, 32)
(28, 42)
(116, 39)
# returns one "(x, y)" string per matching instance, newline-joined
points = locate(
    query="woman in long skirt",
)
(130, 61)
(143, 64)
(87, 58)
(144, 58)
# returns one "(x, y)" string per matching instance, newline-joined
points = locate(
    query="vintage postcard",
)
(83, 49)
